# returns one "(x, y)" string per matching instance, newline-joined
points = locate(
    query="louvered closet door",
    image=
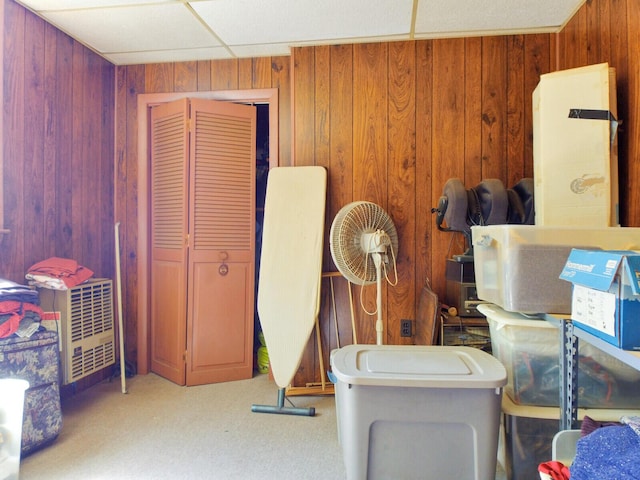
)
(221, 262)
(169, 253)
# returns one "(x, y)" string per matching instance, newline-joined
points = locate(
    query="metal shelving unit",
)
(569, 340)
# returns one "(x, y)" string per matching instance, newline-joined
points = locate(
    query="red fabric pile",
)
(58, 273)
(553, 471)
(13, 312)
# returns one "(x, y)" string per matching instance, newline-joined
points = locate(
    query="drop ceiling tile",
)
(51, 5)
(173, 30)
(245, 22)
(354, 40)
(264, 50)
(163, 56)
(467, 16)
(134, 29)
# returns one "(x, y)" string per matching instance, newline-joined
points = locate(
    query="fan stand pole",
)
(377, 260)
(353, 313)
(281, 409)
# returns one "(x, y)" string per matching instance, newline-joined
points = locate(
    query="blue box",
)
(606, 294)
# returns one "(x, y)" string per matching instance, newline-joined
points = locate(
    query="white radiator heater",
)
(86, 326)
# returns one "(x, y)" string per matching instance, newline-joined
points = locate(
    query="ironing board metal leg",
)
(282, 410)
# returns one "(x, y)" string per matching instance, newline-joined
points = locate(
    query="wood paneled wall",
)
(57, 148)
(57, 151)
(391, 122)
(609, 31)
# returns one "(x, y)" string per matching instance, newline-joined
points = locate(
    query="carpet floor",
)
(159, 430)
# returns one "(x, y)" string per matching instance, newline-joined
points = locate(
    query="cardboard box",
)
(575, 153)
(606, 294)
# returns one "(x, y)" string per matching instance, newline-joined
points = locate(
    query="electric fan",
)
(363, 241)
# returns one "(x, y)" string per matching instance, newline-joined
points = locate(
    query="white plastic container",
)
(401, 408)
(12, 391)
(529, 348)
(517, 267)
(563, 447)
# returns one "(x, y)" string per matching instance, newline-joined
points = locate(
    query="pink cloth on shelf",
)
(67, 270)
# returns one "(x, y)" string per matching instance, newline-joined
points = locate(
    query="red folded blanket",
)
(67, 270)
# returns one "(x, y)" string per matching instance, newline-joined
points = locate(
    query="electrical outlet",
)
(406, 328)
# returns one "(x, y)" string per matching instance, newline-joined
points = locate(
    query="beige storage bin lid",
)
(503, 318)
(431, 366)
(553, 413)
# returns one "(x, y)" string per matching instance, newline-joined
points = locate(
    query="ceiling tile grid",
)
(153, 31)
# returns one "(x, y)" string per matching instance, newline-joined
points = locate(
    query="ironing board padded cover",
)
(291, 264)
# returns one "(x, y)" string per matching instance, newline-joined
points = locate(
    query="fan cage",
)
(350, 253)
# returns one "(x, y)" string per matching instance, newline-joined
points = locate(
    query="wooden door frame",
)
(145, 101)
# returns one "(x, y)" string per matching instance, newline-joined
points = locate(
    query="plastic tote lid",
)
(499, 318)
(417, 366)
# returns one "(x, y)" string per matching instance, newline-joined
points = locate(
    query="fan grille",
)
(345, 240)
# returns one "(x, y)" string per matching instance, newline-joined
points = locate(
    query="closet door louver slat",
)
(223, 178)
(169, 205)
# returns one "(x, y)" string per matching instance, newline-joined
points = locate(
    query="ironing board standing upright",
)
(290, 271)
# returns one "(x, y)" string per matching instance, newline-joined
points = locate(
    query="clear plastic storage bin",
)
(517, 267)
(529, 348)
(530, 431)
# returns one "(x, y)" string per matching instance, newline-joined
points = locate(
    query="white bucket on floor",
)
(12, 392)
